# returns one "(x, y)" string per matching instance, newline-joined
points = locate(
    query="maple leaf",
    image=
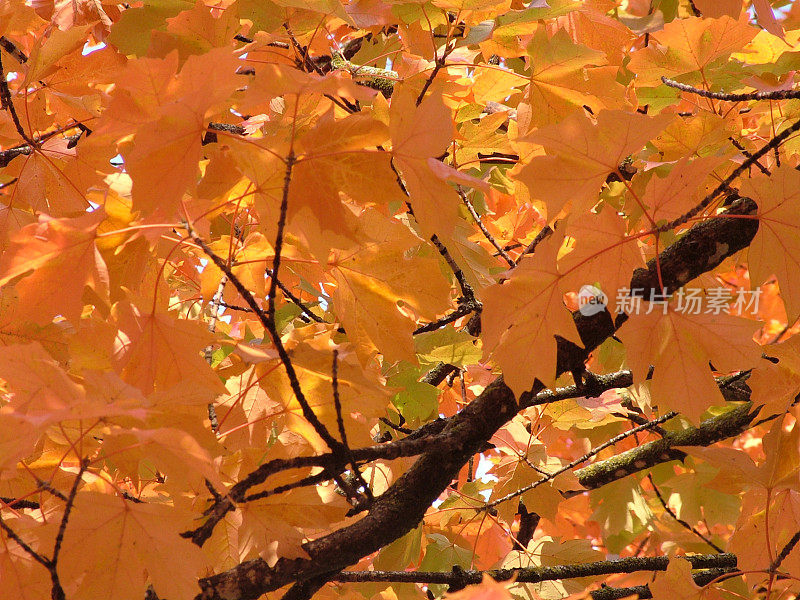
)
(676, 582)
(340, 157)
(419, 133)
(603, 252)
(775, 386)
(161, 171)
(276, 80)
(680, 346)
(54, 254)
(774, 249)
(362, 398)
(23, 577)
(564, 78)
(19, 436)
(174, 453)
(156, 351)
(276, 525)
(50, 179)
(687, 45)
(371, 280)
(581, 154)
(522, 316)
(750, 540)
(524, 461)
(138, 543)
(669, 197)
(488, 589)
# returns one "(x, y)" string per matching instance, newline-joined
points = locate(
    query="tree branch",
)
(403, 505)
(539, 574)
(774, 95)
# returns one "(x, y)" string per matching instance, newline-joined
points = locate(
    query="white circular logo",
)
(591, 300)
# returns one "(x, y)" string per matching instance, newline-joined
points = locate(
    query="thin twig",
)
(208, 352)
(784, 552)
(747, 154)
(57, 592)
(700, 578)
(773, 143)
(773, 95)
(397, 428)
(541, 236)
(337, 403)
(7, 103)
(299, 303)
(678, 519)
(236, 307)
(16, 503)
(276, 261)
(45, 485)
(22, 544)
(269, 326)
(584, 458)
(304, 482)
(466, 288)
(440, 62)
(439, 323)
(68, 509)
(483, 229)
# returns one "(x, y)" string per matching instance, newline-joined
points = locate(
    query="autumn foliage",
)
(398, 299)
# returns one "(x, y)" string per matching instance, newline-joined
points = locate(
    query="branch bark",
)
(539, 574)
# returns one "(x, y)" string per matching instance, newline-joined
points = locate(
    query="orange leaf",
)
(162, 168)
(680, 345)
(602, 253)
(775, 250)
(676, 583)
(522, 315)
(58, 254)
(157, 351)
(137, 544)
(582, 153)
(174, 453)
(488, 589)
(419, 133)
(687, 45)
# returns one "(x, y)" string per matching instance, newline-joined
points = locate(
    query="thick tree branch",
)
(663, 450)
(582, 459)
(700, 578)
(392, 515)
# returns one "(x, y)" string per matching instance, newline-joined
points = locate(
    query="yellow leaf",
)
(374, 281)
(687, 45)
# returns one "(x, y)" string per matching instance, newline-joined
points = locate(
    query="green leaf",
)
(447, 345)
